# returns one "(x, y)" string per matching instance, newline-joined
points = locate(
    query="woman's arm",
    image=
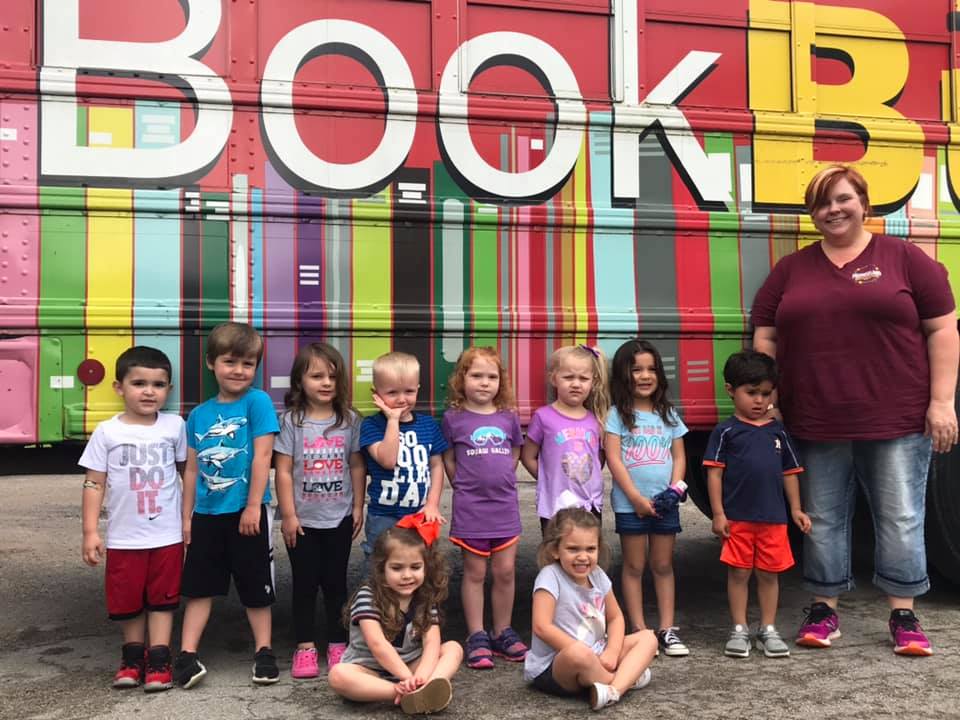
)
(943, 354)
(765, 340)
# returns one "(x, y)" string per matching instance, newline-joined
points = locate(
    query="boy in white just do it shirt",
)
(132, 461)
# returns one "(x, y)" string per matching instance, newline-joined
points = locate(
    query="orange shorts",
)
(764, 546)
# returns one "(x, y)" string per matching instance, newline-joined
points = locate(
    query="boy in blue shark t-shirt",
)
(403, 449)
(226, 524)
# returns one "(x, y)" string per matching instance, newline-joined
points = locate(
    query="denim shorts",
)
(632, 524)
(893, 476)
(374, 527)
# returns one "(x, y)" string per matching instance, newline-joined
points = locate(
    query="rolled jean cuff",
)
(898, 588)
(830, 590)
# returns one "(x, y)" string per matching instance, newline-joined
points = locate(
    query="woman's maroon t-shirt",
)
(852, 355)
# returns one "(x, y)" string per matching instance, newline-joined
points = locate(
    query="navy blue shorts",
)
(632, 524)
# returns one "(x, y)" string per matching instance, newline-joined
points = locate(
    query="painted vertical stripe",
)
(240, 249)
(580, 289)
(372, 292)
(157, 301)
(256, 253)
(109, 311)
(310, 266)
(280, 277)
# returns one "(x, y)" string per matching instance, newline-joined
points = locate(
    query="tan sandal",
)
(432, 697)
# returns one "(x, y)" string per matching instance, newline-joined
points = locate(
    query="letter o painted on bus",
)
(388, 66)
(552, 70)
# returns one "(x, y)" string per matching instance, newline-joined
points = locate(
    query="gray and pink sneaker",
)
(908, 636)
(820, 627)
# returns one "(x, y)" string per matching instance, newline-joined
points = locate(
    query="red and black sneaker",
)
(159, 673)
(132, 665)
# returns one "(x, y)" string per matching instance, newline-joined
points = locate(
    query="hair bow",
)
(429, 530)
(591, 350)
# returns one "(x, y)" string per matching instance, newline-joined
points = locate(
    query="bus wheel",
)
(943, 515)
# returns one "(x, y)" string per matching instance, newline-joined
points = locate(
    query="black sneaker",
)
(265, 670)
(670, 644)
(188, 670)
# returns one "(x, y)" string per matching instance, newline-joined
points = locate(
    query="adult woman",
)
(864, 329)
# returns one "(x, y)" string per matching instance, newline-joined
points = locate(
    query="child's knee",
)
(337, 676)
(633, 566)
(766, 578)
(577, 655)
(453, 650)
(739, 576)
(662, 568)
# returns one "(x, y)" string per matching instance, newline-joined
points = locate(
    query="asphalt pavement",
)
(58, 651)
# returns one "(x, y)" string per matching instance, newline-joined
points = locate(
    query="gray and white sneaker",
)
(739, 643)
(769, 640)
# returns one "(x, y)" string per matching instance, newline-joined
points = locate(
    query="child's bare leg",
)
(661, 567)
(768, 595)
(636, 655)
(471, 590)
(451, 655)
(577, 667)
(194, 621)
(634, 560)
(134, 630)
(160, 627)
(360, 684)
(738, 591)
(503, 569)
(261, 623)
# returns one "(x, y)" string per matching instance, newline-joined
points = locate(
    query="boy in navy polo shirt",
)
(403, 449)
(751, 465)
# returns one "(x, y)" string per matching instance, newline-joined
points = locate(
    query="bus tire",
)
(943, 515)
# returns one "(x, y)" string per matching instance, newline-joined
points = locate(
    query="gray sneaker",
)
(769, 640)
(739, 643)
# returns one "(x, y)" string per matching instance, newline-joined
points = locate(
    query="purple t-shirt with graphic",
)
(569, 461)
(485, 500)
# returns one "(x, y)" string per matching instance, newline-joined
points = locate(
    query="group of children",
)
(386, 644)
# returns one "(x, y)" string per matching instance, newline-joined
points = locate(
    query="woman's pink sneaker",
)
(335, 653)
(305, 664)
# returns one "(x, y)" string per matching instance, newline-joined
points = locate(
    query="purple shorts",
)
(485, 547)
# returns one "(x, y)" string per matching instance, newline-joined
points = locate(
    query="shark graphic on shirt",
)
(223, 427)
(218, 455)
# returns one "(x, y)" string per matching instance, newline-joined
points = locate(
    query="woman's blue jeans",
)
(893, 476)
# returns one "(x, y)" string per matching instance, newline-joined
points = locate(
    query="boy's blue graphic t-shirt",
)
(402, 490)
(223, 435)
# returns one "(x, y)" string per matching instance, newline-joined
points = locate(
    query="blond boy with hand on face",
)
(403, 449)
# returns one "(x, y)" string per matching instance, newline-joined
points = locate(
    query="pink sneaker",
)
(908, 636)
(304, 664)
(335, 653)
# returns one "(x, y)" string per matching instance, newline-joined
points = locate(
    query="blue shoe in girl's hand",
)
(671, 497)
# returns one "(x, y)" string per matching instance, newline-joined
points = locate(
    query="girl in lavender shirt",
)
(484, 437)
(563, 449)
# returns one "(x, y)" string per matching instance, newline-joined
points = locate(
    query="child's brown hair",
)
(562, 523)
(429, 596)
(233, 338)
(295, 399)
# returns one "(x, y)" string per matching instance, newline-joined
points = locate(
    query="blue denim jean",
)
(893, 476)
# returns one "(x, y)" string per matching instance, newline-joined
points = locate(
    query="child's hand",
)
(802, 520)
(643, 507)
(431, 513)
(290, 528)
(721, 526)
(608, 659)
(407, 686)
(357, 521)
(391, 413)
(92, 549)
(250, 520)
